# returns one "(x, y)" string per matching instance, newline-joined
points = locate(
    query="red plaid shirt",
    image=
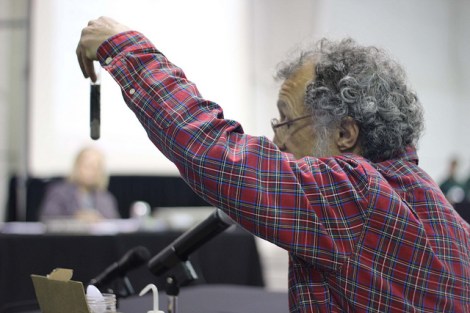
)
(362, 236)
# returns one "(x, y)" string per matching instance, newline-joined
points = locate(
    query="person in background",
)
(463, 207)
(83, 195)
(466, 188)
(339, 186)
(451, 187)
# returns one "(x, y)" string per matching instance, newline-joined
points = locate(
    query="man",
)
(339, 188)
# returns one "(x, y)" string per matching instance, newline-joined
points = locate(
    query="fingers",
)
(90, 69)
(86, 64)
(85, 58)
(80, 62)
(91, 38)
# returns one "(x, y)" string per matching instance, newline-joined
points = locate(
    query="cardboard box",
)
(57, 293)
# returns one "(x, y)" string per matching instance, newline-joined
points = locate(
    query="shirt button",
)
(132, 91)
(108, 60)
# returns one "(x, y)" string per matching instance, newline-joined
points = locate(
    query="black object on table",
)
(229, 258)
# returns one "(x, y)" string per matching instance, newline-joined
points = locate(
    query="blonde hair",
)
(74, 176)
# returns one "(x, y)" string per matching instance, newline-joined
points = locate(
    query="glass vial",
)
(104, 304)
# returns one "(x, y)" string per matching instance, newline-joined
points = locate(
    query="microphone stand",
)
(175, 257)
(122, 288)
(127, 289)
(182, 274)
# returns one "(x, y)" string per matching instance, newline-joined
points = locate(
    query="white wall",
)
(206, 39)
(231, 49)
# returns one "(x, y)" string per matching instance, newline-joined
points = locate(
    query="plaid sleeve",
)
(313, 208)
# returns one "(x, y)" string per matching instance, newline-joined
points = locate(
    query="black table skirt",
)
(229, 258)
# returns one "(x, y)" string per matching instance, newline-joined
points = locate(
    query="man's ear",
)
(347, 135)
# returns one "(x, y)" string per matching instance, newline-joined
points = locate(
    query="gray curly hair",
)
(363, 83)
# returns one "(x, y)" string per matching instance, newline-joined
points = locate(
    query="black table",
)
(211, 299)
(229, 258)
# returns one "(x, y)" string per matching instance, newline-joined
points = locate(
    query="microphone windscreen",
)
(134, 258)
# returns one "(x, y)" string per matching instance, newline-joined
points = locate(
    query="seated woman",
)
(84, 195)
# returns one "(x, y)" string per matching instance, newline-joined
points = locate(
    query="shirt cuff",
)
(119, 43)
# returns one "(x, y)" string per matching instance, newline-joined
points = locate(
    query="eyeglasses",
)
(275, 123)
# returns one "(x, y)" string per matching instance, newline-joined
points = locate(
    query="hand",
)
(88, 216)
(91, 38)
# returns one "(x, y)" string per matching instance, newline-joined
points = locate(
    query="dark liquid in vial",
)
(95, 108)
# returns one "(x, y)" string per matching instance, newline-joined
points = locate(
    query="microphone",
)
(180, 249)
(131, 260)
(95, 105)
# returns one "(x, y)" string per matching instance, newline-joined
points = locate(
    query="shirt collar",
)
(410, 155)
